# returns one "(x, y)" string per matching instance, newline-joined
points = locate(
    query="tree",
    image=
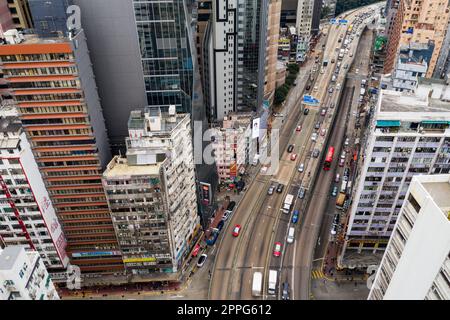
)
(293, 68)
(325, 12)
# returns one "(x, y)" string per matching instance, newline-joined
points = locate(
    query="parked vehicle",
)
(201, 261)
(271, 189)
(334, 192)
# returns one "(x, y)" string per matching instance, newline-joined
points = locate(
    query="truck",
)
(257, 284)
(340, 200)
(288, 203)
(362, 92)
(273, 275)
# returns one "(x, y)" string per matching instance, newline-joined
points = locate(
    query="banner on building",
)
(255, 128)
(233, 170)
(205, 193)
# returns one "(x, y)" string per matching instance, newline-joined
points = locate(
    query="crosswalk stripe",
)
(317, 274)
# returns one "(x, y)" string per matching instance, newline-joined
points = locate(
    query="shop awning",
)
(388, 123)
(435, 122)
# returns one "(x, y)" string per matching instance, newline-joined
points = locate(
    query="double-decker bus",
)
(328, 159)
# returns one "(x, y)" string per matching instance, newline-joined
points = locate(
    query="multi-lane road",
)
(259, 214)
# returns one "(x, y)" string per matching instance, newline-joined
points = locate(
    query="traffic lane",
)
(302, 140)
(242, 275)
(224, 259)
(255, 252)
(227, 247)
(336, 141)
(254, 243)
(314, 215)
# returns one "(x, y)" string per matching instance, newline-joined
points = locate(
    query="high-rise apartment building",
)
(152, 195)
(23, 276)
(305, 11)
(27, 215)
(232, 146)
(273, 34)
(143, 54)
(410, 135)
(236, 47)
(20, 13)
(416, 264)
(53, 85)
(419, 22)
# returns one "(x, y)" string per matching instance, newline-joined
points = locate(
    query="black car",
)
(280, 188)
(308, 87)
(306, 111)
(231, 206)
(290, 148)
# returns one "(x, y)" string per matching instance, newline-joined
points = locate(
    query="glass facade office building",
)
(252, 15)
(164, 40)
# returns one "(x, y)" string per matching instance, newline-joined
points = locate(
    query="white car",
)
(314, 137)
(347, 141)
(357, 71)
(301, 167)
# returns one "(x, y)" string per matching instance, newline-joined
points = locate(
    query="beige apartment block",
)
(20, 13)
(422, 21)
(273, 28)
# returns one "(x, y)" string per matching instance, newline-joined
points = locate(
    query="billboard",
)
(205, 192)
(95, 254)
(255, 128)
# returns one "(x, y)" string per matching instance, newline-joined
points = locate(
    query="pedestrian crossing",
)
(317, 274)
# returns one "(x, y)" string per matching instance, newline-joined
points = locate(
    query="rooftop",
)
(9, 256)
(430, 98)
(440, 192)
(140, 120)
(118, 167)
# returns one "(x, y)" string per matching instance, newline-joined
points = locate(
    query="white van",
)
(290, 237)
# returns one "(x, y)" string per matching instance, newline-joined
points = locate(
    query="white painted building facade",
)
(27, 216)
(23, 276)
(410, 135)
(416, 264)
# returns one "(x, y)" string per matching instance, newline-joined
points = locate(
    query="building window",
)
(414, 203)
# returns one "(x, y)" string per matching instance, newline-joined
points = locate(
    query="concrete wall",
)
(113, 43)
(91, 97)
